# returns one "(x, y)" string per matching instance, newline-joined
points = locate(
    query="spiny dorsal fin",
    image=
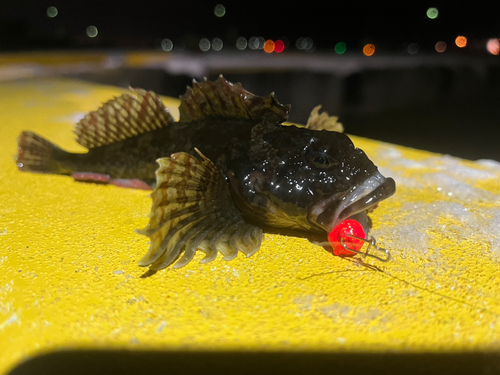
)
(123, 117)
(192, 210)
(322, 121)
(230, 100)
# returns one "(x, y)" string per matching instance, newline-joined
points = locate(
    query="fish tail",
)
(36, 154)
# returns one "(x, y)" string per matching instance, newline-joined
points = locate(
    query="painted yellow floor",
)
(69, 276)
(48, 63)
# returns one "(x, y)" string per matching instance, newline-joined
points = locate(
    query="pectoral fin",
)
(323, 121)
(192, 210)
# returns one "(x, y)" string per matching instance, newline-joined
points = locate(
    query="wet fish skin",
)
(280, 171)
(228, 168)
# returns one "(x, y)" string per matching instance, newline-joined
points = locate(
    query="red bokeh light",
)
(279, 46)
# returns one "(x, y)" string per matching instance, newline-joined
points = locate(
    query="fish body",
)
(228, 168)
(135, 158)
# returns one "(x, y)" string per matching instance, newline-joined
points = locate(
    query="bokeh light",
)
(219, 10)
(340, 48)
(92, 31)
(241, 43)
(309, 44)
(269, 46)
(204, 44)
(493, 46)
(261, 41)
(300, 43)
(305, 44)
(52, 12)
(279, 46)
(167, 45)
(440, 46)
(253, 43)
(217, 44)
(432, 13)
(369, 49)
(461, 41)
(286, 42)
(256, 42)
(412, 48)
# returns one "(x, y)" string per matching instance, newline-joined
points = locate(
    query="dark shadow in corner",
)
(106, 362)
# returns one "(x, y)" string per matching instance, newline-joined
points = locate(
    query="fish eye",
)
(322, 161)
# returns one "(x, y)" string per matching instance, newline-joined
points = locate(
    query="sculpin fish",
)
(227, 169)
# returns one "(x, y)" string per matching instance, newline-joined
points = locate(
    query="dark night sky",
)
(138, 24)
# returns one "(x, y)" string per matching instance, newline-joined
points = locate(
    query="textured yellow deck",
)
(69, 276)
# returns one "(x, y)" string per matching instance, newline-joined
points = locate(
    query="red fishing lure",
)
(348, 238)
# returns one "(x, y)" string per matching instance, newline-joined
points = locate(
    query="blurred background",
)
(423, 74)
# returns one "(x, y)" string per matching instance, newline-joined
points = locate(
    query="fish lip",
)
(332, 210)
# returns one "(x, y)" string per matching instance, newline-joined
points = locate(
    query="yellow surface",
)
(15, 65)
(69, 276)
(55, 58)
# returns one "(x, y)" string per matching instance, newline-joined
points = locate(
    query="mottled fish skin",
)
(289, 168)
(136, 157)
(228, 168)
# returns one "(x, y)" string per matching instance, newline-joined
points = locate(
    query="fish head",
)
(309, 180)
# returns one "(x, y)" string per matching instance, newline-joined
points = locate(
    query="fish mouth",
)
(333, 209)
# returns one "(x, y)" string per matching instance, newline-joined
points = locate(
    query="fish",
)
(229, 169)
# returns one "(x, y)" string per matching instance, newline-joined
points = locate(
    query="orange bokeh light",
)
(493, 46)
(461, 41)
(269, 46)
(369, 50)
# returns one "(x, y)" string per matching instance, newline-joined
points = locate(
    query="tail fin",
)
(35, 154)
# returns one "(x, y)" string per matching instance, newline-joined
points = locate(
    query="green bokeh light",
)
(92, 31)
(340, 48)
(219, 10)
(432, 13)
(51, 12)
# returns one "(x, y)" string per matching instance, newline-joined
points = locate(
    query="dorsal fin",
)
(323, 121)
(123, 117)
(230, 100)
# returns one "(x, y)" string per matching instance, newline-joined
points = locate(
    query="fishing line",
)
(348, 239)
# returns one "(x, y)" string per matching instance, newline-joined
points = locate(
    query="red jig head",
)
(348, 237)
